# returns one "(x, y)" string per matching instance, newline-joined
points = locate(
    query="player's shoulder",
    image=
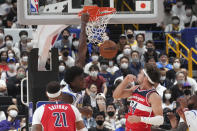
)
(154, 96)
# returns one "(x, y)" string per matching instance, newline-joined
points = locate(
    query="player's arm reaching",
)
(156, 104)
(81, 55)
(121, 91)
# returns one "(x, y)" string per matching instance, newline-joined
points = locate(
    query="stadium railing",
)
(179, 50)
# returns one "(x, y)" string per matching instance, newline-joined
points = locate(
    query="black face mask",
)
(191, 106)
(130, 36)
(150, 49)
(3, 58)
(187, 92)
(65, 37)
(100, 122)
(111, 113)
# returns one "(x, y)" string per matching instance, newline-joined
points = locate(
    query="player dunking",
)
(74, 76)
(57, 117)
(146, 105)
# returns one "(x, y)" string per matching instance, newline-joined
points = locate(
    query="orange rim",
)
(95, 11)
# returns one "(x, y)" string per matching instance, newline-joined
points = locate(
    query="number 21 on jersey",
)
(59, 116)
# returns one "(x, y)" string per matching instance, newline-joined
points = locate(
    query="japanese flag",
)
(143, 5)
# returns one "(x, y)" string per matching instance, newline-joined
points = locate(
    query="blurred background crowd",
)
(102, 75)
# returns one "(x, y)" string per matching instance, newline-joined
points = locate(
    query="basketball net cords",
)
(96, 28)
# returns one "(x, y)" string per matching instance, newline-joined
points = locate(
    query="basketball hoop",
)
(99, 17)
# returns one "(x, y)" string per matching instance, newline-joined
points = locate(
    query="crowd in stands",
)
(102, 75)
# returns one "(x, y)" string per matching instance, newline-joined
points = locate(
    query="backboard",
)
(42, 12)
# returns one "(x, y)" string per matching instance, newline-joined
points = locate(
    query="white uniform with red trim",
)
(140, 106)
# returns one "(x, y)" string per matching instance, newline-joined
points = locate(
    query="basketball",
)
(108, 49)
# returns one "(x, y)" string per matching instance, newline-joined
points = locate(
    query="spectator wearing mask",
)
(167, 100)
(96, 79)
(188, 111)
(190, 80)
(104, 72)
(190, 17)
(177, 89)
(150, 46)
(165, 81)
(64, 42)
(12, 68)
(3, 61)
(13, 83)
(171, 74)
(68, 60)
(179, 9)
(62, 69)
(122, 42)
(124, 69)
(74, 47)
(163, 62)
(11, 54)
(3, 89)
(95, 61)
(91, 99)
(135, 65)
(112, 67)
(131, 38)
(111, 121)
(10, 46)
(100, 119)
(2, 43)
(11, 123)
(24, 60)
(22, 46)
(175, 27)
(126, 52)
(140, 44)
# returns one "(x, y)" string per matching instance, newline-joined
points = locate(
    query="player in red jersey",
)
(57, 117)
(146, 105)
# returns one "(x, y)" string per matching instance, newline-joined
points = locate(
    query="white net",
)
(95, 29)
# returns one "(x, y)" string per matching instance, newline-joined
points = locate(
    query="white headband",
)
(54, 95)
(149, 79)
